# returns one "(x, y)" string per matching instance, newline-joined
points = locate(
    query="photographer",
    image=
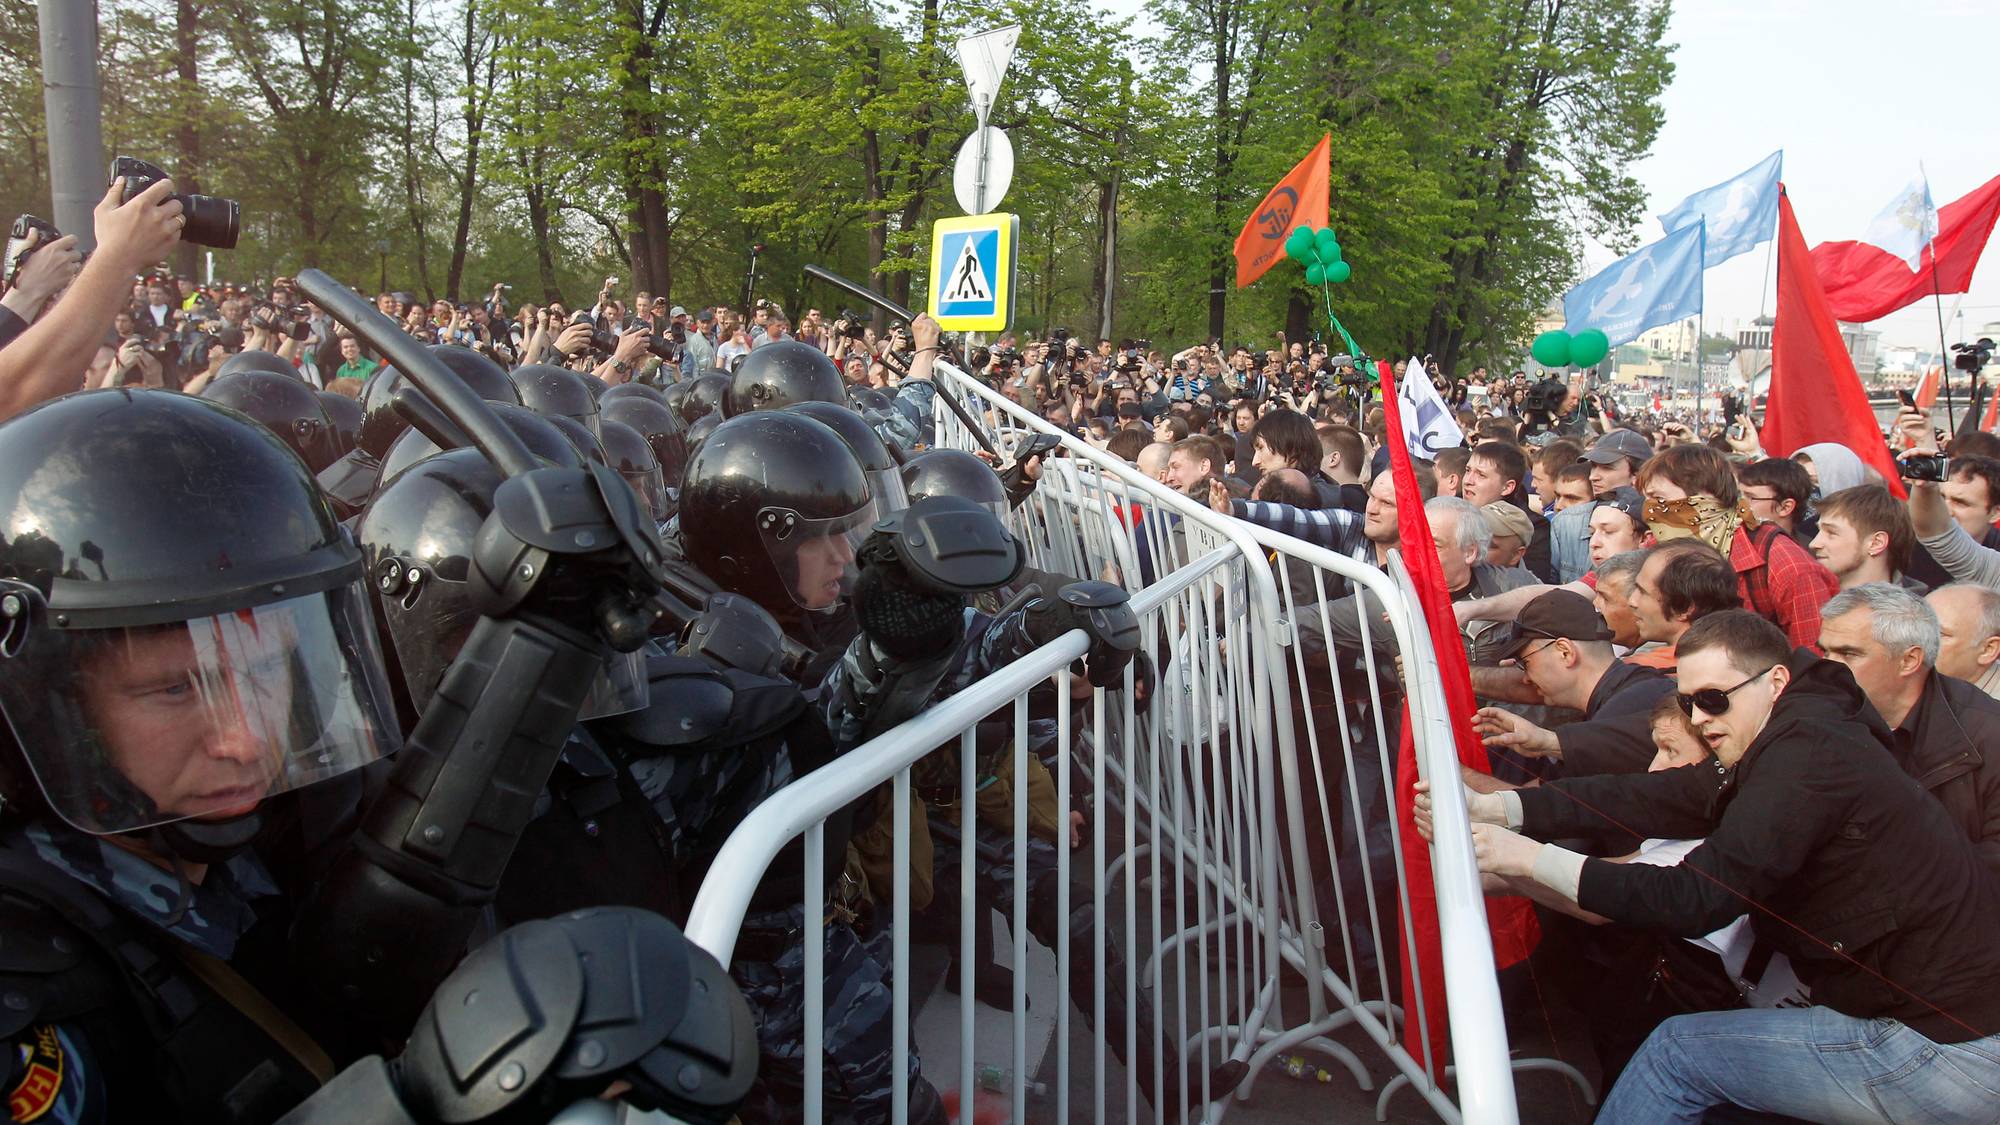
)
(1957, 553)
(54, 353)
(46, 271)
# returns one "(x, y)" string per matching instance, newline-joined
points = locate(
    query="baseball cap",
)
(1556, 615)
(705, 315)
(1509, 520)
(677, 311)
(1626, 499)
(1616, 444)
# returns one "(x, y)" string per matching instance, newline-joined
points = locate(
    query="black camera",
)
(1128, 360)
(211, 220)
(604, 342)
(1545, 397)
(1970, 358)
(18, 248)
(294, 321)
(853, 325)
(1924, 466)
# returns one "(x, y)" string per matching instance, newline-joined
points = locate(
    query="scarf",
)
(1698, 517)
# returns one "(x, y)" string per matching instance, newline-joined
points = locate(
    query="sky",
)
(1858, 93)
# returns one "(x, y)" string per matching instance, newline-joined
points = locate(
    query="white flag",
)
(1907, 224)
(1428, 425)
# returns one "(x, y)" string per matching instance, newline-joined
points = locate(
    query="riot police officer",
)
(188, 650)
(641, 802)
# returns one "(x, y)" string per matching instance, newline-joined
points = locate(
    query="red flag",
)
(1815, 394)
(1298, 200)
(1864, 282)
(1511, 920)
(1992, 411)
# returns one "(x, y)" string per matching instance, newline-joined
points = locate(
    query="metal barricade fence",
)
(1219, 812)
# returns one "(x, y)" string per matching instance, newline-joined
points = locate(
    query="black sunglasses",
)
(1715, 701)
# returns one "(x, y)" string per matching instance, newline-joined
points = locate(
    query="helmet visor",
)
(651, 487)
(815, 557)
(886, 486)
(126, 728)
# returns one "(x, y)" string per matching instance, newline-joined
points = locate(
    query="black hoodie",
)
(1847, 866)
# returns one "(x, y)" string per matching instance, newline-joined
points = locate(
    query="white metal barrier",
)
(1228, 814)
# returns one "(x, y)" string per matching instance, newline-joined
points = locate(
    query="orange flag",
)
(1299, 200)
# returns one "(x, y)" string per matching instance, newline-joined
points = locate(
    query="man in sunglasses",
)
(1564, 649)
(1843, 864)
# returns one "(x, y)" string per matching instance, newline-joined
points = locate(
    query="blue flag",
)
(1741, 211)
(1656, 284)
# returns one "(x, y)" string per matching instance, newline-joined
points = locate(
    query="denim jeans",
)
(1810, 1063)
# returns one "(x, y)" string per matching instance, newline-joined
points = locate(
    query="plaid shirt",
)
(1336, 529)
(1786, 586)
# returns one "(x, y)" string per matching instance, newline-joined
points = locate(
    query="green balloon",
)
(1327, 245)
(1339, 271)
(1551, 349)
(1315, 273)
(1588, 346)
(1299, 245)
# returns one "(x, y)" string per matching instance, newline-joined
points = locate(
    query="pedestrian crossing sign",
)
(972, 271)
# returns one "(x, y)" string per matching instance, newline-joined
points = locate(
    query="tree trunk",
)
(538, 223)
(468, 181)
(412, 174)
(1225, 166)
(871, 162)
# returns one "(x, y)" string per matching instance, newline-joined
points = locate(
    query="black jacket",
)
(1616, 734)
(1940, 745)
(1845, 864)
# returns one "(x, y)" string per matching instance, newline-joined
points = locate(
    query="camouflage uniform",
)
(75, 1045)
(699, 794)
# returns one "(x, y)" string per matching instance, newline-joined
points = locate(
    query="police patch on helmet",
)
(42, 1073)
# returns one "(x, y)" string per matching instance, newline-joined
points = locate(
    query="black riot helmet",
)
(550, 390)
(629, 390)
(628, 451)
(885, 481)
(954, 472)
(779, 374)
(676, 394)
(662, 430)
(871, 400)
(487, 378)
(773, 507)
(256, 360)
(381, 424)
(417, 540)
(587, 441)
(698, 431)
(283, 405)
(541, 435)
(704, 397)
(343, 414)
(184, 628)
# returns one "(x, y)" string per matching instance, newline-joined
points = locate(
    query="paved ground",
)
(1275, 1096)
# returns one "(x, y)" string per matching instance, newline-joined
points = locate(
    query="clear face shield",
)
(886, 486)
(651, 486)
(128, 728)
(815, 557)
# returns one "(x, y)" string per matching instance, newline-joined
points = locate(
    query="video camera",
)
(211, 220)
(1545, 397)
(852, 324)
(1970, 358)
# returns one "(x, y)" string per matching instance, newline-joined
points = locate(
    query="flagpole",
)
(1700, 322)
(1944, 350)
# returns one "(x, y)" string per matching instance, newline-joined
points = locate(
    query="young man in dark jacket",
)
(1845, 865)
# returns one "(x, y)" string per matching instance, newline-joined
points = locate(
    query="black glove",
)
(1101, 610)
(907, 617)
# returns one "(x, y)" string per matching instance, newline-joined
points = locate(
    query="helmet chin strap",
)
(211, 841)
